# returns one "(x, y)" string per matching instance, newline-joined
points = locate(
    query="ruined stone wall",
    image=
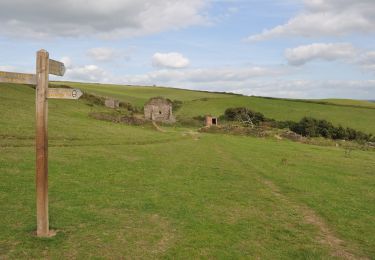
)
(112, 103)
(159, 110)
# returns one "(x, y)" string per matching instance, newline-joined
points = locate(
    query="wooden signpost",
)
(11, 77)
(44, 67)
(56, 68)
(64, 93)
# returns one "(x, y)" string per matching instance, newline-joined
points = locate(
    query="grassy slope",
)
(350, 102)
(138, 95)
(215, 104)
(117, 190)
(358, 118)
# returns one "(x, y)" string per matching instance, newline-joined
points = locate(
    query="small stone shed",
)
(210, 121)
(159, 109)
(112, 103)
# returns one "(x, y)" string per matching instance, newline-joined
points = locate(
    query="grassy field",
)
(130, 191)
(139, 95)
(350, 102)
(355, 117)
(349, 113)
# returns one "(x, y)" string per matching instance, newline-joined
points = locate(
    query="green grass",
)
(123, 191)
(350, 102)
(349, 113)
(280, 109)
(139, 95)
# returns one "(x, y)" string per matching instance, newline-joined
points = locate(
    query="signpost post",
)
(44, 67)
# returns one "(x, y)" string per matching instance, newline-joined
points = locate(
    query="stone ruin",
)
(112, 103)
(211, 121)
(159, 109)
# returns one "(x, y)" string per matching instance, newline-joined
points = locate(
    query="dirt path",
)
(157, 127)
(326, 236)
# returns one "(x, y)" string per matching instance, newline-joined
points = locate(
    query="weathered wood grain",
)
(19, 78)
(56, 68)
(64, 93)
(42, 144)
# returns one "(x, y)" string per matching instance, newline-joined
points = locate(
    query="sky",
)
(277, 48)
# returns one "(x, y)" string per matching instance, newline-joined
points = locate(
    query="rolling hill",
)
(349, 113)
(118, 190)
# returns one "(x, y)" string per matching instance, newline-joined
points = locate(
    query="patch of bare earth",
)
(326, 236)
(158, 128)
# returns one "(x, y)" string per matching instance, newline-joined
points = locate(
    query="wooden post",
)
(41, 103)
(44, 67)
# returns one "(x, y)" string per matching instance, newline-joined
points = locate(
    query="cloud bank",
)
(104, 18)
(319, 51)
(326, 18)
(172, 60)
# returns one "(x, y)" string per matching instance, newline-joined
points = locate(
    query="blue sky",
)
(280, 48)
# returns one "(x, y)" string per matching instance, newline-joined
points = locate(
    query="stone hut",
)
(210, 121)
(112, 103)
(159, 109)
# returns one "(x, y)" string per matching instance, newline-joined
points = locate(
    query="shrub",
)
(244, 114)
(312, 127)
(307, 126)
(92, 99)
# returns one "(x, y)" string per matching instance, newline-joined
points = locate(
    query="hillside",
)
(350, 102)
(349, 113)
(138, 95)
(118, 190)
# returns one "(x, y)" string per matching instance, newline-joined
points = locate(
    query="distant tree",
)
(244, 115)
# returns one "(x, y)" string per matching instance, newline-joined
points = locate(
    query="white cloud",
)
(354, 89)
(326, 18)
(367, 61)
(323, 51)
(201, 76)
(67, 62)
(170, 60)
(88, 73)
(105, 18)
(102, 54)
(346, 52)
(172, 77)
(258, 81)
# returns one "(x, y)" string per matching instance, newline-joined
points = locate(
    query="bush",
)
(307, 126)
(93, 100)
(282, 124)
(312, 127)
(244, 114)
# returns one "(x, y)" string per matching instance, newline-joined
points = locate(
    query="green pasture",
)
(139, 95)
(356, 114)
(280, 109)
(350, 102)
(119, 191)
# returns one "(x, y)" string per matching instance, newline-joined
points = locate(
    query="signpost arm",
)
(42, 71)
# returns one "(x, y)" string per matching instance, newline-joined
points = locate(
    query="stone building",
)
(112, 103)
(210, 121)
(159, 109)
